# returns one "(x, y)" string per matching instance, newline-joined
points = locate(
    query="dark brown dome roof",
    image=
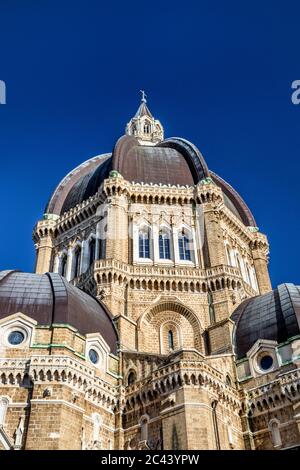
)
(49, 298)
(65, 187)
(155, 165)
(174, 161)
(272, 316)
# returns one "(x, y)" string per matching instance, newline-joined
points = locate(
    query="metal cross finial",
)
(144, 96)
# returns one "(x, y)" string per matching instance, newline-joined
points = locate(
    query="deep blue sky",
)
(217, 73)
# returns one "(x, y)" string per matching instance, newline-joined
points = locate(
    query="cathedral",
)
(150, 321)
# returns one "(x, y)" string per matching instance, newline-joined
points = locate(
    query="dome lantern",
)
(144, 126)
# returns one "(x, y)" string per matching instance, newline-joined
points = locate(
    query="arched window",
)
(255, 285)
(238, 263)
(229, 435)
(184, 247)
(248, 274)
(3, 409)
(144, 244)
(171, 340)
(102, 247)
(164, 245)
(77, 257)
(131, 378)
(170, 337)
(228, 255)
(211, 308)
(147, 128)
(228, 380)
(63, 265)
(276, 438)
(144, 428)
(92, 250)
(214, 405)
(97, 421)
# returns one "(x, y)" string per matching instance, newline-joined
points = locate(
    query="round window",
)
(94, 356)
(266, 362)
(16, 337)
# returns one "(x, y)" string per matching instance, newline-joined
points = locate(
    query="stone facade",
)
(174, 382)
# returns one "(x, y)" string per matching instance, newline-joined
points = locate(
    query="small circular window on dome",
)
(15, 338)
(266, 362)
(94, 356)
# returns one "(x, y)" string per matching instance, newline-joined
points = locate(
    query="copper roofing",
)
(87, 185)
(155, 165)
(234, 201)
(55, 204)
(174, 161)
(49, 298)
(272, 316)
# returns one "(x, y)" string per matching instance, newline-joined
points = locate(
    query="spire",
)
(144, 126)
(143, 109)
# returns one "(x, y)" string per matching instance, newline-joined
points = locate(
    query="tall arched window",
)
(228, 380)
(3, 409)
(228, 255)
(171, 340)
(276, 438)
(211, 308)
(248, 274)
(63, 265)
(184, 247)
(131, 378)
(238, 263)
(229, 434)
(144, 428)
(102, 247)
(164, 245)
(255, 285)
(77, 258)
(215, 423)
(92, 250)
(144, 243)
(97, 421)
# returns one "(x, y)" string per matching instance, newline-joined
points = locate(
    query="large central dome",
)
(142, 156)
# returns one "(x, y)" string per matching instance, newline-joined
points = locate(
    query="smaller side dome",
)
(273, 316)
(49, 298)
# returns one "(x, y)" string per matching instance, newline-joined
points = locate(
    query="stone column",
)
(135, 244)
(117, 223)
(97, 248)
(214, 247)
(260, 251)
(175, 244)
(154, 234)
(84, 263)
(195, 247)
(43, 237)
(199, 233)
(56, 263)
(69, 264)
